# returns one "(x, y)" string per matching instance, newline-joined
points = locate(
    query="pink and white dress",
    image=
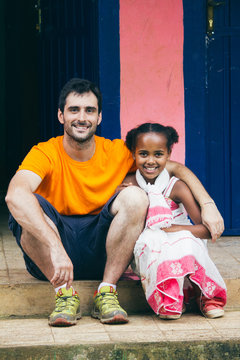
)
(162, 260)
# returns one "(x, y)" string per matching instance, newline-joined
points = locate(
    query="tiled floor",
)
(27, 332)
(142, 328)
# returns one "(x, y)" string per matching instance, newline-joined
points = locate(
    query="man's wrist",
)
(209, 202)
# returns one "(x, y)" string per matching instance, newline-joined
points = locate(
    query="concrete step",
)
(26, 302)
(22, 295)
(145, 337)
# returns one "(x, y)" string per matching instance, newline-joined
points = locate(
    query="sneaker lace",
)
(109, 300)
(65, 303)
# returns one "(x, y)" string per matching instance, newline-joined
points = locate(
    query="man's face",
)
(80, 117)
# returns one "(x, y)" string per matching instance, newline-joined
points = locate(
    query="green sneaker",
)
(67, 310)
(106, 307)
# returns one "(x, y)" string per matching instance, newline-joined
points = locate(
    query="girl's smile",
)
(151, 155)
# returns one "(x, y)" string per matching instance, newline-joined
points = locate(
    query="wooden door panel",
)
(68, 47)
(212, 99)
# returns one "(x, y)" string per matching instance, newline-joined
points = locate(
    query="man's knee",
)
(132, 200)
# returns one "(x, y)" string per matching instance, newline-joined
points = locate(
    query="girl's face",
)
(151, 155)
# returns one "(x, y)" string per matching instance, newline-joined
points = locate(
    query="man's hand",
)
(122, 186)
(50, 255)
(63, 268)
(212, 219)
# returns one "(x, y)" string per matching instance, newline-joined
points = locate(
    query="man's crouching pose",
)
(67, 217)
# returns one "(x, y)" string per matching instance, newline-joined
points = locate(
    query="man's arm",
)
(26, 210)
(211, 217)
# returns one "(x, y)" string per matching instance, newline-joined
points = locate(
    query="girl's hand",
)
(198, 230)
(174, 228)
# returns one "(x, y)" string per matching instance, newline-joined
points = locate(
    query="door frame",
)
(196, 101)
(194, 85)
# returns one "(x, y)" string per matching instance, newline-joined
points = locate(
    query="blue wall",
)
(194, 85)
(109, 67)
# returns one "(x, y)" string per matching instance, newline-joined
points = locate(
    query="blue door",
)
(212, 96)
(68, 47)
(47, 42)
(223, 100)
(79, 38)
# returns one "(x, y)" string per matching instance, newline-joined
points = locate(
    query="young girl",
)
(170, 249)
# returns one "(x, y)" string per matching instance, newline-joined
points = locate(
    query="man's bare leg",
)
(66, 312)
(129, 210)
(40, 253)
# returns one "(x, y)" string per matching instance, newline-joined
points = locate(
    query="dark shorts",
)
(83, 237)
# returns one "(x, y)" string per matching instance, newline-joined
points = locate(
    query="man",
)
(66, 216)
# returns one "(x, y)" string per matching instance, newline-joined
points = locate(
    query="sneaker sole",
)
(170, 317)
(116, 319)
(61, 322)
(213, 314)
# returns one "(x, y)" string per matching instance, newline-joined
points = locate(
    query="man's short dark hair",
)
(79, 86)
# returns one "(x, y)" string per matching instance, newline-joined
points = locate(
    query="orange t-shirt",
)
(78, 188)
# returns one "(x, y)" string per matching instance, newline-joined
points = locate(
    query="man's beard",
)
(81, 138)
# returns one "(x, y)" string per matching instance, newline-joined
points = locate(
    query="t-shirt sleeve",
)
(122, 154)
(128, 157)
(37, 161)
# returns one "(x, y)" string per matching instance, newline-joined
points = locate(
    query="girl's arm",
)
(211, 217)
(181, 193)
